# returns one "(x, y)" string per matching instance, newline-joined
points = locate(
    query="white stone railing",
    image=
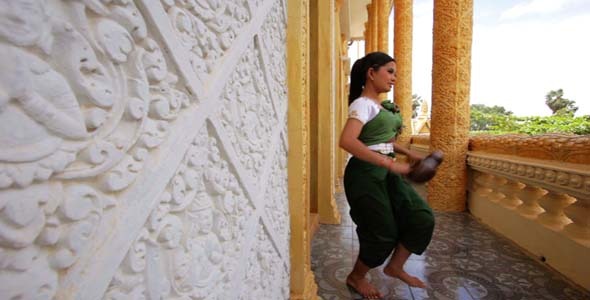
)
(542, 205)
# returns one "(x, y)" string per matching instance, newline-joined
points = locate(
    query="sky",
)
(521, 50)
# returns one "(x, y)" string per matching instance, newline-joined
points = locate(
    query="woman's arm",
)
(349, 141)
(413, 155)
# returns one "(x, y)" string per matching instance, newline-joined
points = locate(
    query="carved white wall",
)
(143, 149)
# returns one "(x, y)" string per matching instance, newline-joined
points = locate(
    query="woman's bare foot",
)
(363, 287)
(403, 276)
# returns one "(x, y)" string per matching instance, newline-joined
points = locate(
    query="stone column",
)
(453, 25)
(383, 25)
(302, 284)
(403, 23)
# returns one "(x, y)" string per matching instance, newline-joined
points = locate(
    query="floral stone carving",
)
(94, 99)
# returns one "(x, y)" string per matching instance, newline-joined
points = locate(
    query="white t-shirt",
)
(363, 109)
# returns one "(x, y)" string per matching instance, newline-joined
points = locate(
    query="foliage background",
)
(497, 120)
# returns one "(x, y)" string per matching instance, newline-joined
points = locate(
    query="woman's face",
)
(384, 77)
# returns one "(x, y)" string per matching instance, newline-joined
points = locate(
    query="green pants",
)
(387, 211)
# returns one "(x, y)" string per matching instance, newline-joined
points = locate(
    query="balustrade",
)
(543, 206)
(554, 203)
(511, 191)
(535, 191)
(498, 186)
(579, 213)
(555, 195)
(483, 184)
(529, 196)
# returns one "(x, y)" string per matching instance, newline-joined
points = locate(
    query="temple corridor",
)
(465, 260)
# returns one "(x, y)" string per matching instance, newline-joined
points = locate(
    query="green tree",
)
(498, 124)
(498, 120)
(486, 118)
(558, 123)
(559, 105)
(496, 110)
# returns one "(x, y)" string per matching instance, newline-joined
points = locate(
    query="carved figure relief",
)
(263, 270)
(198, 230)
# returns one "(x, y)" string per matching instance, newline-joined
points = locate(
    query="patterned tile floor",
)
(465, 260)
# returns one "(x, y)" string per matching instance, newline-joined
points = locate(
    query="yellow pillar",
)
(403, 23)
(366, 38)
(382, 29)
(340, 83)
(313, 114)
(374, 21)
(451, 76)
(302, 281)
(368, 30)
(346, 63)
(383, 25)
(342, 108)
(324, 109)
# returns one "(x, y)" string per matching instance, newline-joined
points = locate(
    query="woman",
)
(387, 211)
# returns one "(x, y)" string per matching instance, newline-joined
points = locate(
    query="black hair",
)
(358, 73)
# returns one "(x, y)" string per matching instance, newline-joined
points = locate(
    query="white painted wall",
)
(143, 149)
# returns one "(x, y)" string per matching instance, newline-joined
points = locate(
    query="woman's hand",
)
(412, 155)
(399, 168)
(415, 156)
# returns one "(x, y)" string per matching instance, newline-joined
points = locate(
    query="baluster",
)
(483, 184)
(530, 201)
(554, 204)
(497, 184)
(511, 190)
(579, 213)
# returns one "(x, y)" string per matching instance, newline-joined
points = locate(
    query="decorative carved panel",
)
(140, 148)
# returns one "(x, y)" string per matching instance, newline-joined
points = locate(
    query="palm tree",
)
(558, 104)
